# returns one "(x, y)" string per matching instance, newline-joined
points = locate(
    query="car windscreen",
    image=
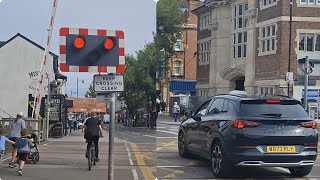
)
(277, 109)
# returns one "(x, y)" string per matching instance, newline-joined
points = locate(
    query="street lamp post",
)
(290, 32)
(82, 81)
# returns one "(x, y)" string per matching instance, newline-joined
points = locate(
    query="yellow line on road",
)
(147, 172)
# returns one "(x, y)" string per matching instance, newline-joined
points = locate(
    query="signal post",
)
(101, 51)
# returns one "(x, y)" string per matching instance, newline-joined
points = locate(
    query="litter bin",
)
(57, 131)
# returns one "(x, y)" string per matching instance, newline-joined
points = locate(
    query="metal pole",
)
(112, 100)
(48, 109)
(306, 82)
(77, 87)
(290, 32)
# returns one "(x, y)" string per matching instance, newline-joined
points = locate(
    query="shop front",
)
(180, 91)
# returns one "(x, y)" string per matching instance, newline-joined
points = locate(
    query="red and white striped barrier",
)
(38, 94)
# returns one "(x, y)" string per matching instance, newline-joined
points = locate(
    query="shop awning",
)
(87, 105)
(183, 85)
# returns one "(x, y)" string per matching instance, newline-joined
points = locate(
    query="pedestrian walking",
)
(176, 111)
(24, 146)
(15, 128)
(157, 108)
(75, 125)
(163, 106)
(3, 140)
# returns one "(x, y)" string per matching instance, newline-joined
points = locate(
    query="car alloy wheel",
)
(216, 159)
(183, 151)
(181, 143)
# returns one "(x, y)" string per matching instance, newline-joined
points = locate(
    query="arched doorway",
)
(237, 83)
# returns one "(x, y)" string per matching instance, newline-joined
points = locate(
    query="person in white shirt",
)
(176, 111)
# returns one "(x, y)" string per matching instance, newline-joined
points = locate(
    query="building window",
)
(309, 42)
(267, 3)
(203, 93)
(239, 19)
(240, 44)
(266, 91)
(204, 52)
(178, 45)
(177, 68)
(310, 2)
(205, 21)
(268, 36)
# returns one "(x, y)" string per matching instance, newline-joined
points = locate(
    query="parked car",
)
(250, 131)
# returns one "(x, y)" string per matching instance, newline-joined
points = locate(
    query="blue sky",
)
(137, 18)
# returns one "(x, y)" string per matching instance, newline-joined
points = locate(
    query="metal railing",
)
(33, 126)
(4, 114)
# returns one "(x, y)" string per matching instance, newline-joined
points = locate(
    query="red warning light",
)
(108, 44)
(79, 42)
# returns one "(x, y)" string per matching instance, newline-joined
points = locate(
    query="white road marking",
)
(5, 159)
(169, 132)
(134, 171)
(135, 133)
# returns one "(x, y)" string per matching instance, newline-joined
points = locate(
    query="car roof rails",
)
(235, 93)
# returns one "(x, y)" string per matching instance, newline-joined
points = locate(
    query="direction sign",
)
(108, 83)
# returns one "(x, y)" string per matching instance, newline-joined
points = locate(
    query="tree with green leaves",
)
(90, 93)
(139, 80)
(169, 21)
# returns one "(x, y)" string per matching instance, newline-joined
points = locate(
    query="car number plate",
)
(281, 149)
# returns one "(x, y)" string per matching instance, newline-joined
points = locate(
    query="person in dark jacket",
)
(92, 133)
(24, 146)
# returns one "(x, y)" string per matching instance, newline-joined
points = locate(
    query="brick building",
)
(181, 76)
(243, 45)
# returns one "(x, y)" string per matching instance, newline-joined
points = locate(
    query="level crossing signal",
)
(87, 50)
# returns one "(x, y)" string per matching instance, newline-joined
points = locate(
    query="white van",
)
(106, 119)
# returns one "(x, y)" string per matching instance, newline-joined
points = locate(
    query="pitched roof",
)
(3, 43)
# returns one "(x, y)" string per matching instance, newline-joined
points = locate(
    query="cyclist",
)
(92, 133)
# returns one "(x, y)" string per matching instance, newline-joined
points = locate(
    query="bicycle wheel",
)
(93, 154)
(90, 160)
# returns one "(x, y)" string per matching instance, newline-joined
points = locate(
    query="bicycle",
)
(92, 156)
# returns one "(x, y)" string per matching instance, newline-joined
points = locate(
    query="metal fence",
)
(33, 126)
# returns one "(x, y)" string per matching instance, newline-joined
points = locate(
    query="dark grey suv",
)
(238, 130)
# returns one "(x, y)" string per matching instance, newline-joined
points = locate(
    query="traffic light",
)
(90, 50)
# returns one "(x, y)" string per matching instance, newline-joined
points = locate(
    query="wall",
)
(19, 61)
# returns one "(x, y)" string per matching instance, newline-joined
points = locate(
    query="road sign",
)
(108, 83)
(92, 50)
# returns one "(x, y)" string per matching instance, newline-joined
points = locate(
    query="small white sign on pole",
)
(108, 83)
(289, 76)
